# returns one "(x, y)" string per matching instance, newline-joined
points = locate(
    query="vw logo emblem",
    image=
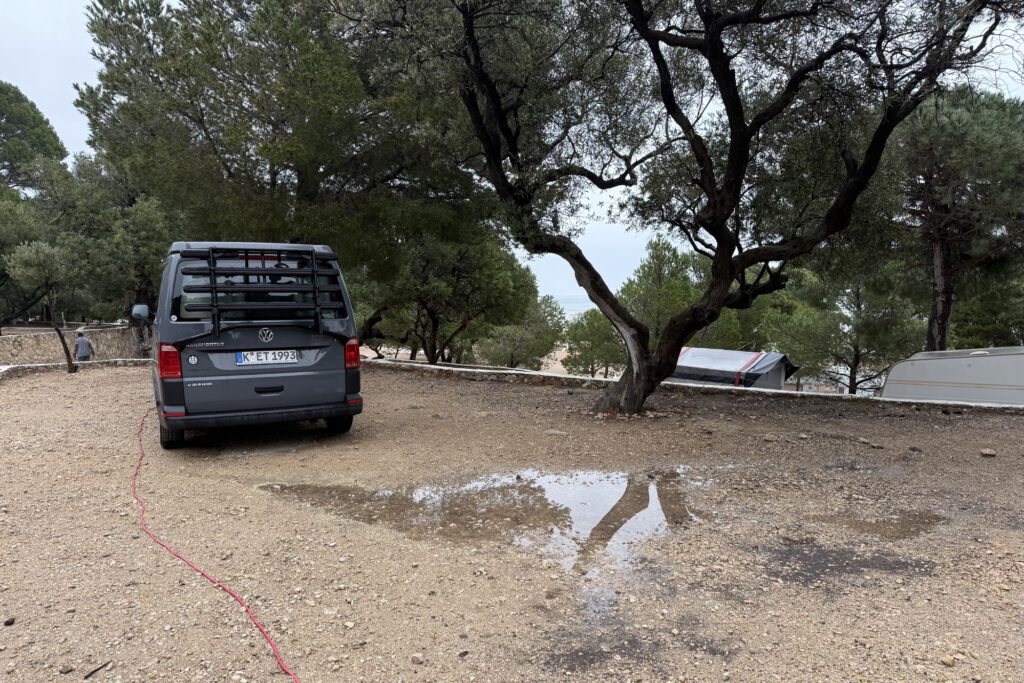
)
(266, 334)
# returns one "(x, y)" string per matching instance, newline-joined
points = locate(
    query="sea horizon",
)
(574, 304)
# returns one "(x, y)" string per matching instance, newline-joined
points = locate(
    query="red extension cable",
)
(190, 563)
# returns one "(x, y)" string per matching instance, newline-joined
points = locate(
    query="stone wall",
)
(44, 347)
(11, 371)
(478, 374)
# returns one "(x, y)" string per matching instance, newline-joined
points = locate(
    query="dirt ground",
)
(483, 531)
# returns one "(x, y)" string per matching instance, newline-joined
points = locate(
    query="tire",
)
(171, 438)
(339, 425)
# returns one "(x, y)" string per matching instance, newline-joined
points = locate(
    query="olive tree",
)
(43, 267)
(557, 96)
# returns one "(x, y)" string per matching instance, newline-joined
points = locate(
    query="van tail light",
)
(352, 359)
(169, 361)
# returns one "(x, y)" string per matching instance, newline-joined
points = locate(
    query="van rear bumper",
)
(260, 417)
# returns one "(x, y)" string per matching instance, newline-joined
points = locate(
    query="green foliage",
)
(593, 346)
(668, 281)
(664, 283)
(252, 117)
(20, 223)
(123, 265)
(25, 136)
(993, 316)
(531, 341)
(119, 236)
(443, 295)
(38, 265)
(849, 330)
(964, 155)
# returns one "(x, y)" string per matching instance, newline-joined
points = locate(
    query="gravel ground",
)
(494, 532)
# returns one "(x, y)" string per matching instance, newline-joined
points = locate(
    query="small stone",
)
(863, 441)
(988, 453)
(418, 659)
(66, 669)
(350, 624)
(915, 449)
(464, 653)
(555, 432)
(771, 437)
(804, 436)
(947, 661)
(9, 622)
(675, 632)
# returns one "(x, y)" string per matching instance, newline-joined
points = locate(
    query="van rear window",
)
(266, 305)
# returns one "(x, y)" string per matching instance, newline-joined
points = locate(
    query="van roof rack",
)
(265, 261)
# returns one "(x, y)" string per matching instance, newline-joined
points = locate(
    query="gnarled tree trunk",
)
(521, 177)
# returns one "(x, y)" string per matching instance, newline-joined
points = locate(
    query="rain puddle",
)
(569, 518)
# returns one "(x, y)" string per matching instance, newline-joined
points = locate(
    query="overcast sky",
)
(44, 50)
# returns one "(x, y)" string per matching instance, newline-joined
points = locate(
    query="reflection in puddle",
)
(570, 518)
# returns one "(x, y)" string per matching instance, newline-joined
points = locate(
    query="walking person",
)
(83, 347)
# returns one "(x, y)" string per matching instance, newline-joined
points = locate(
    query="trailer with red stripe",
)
(760, 369)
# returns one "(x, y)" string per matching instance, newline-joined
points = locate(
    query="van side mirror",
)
(140, 312)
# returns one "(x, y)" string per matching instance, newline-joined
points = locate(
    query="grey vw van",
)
(252, 333)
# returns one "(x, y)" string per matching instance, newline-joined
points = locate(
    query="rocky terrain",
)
(485, 531)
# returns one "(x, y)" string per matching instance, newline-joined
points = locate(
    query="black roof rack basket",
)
(255, 262)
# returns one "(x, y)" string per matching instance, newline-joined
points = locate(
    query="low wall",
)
(548, 379)
(44, 347)
(12, 371)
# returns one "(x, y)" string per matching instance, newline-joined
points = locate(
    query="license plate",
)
(266, 357)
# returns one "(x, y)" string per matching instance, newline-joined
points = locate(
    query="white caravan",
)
(993, 375)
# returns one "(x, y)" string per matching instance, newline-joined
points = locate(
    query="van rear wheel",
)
(339, 425)
(171, 438)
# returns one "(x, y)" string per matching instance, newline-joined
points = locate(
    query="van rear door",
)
(268, 348)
